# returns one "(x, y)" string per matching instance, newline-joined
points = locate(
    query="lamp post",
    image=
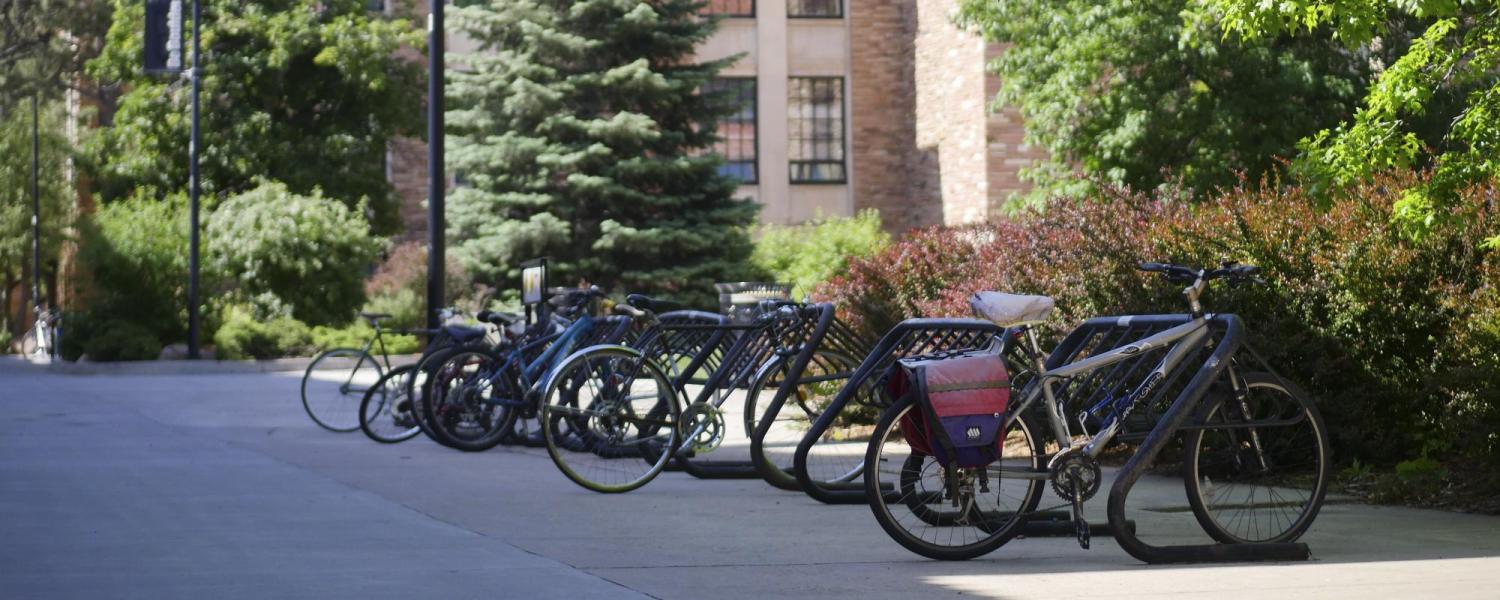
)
(36, 210)
(435, 175)
(193, 189)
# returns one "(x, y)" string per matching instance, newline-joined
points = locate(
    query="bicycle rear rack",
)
(909, 338)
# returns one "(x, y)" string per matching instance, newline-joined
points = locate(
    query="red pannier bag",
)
(965, 395)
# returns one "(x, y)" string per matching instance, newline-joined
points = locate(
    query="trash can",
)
(740, 300)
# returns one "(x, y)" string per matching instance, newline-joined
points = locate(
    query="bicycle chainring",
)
(1076, 475)
(703, 427)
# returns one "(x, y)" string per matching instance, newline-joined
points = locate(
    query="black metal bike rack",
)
(754, 347)
(909, 338)
(1231, 333)
(824, 332)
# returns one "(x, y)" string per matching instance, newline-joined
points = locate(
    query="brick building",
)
(848, 104)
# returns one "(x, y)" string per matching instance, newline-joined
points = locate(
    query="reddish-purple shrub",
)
(405, 268)
(1398, 338)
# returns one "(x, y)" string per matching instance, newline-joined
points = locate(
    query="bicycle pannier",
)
(965, 395)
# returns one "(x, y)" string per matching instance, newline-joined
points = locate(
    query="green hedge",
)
(809, 254)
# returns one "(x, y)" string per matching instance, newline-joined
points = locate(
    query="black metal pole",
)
(193, 189)
(36, 209)
(436, 180)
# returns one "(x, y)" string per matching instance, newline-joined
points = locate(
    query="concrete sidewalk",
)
(219, 486)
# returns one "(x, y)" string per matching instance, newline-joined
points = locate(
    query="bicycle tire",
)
(978, 530)
(617, 425)
(777, 448)
(428, 365)
(381, 412)
(463, 401)
(335, 406)
(1228, 448)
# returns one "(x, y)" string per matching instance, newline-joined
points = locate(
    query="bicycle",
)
(41, 340)
(613, 417)
(336, 380)
(477, 394)
(390, 410)
(1255, 456)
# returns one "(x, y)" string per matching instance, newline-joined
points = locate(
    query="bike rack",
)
(909, 338)
(742, 359)
(1230, 341)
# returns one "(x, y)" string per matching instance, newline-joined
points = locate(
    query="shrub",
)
(106, 339)
(310, 252)
(807, 255)
(133, 260)
(399, 285)
(1397, 338)
(355, 336)
(243, 335)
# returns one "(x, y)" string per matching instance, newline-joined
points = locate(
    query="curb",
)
(196, 367)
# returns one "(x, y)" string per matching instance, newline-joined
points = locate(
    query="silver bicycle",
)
(1254, 458)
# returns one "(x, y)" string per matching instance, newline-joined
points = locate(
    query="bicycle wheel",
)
(417, 389)
(907, 491)
(385, 413)
(468, 401)
(335, 383)
(826, 374)
(1257, 470)
(610, 419)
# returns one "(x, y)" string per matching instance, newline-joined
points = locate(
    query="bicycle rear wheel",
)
(908, 494)
(610, 419)
(1257, 470)
(335, 383)
(385, 414)
(468, 402)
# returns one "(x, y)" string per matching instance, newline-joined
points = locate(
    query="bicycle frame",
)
(559, 345)
(1181, 341)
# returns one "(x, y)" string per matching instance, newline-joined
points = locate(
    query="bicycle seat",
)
(1011, 310)
(645, 302)
(373, 317)
(463, 333)
(499, 319)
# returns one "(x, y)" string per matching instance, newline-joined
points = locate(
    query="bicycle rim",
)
(1258, 484)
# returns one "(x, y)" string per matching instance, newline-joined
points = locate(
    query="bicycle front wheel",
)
(386, 414)
(335, 383)
(610, 419)
(1257, 468)
(907, 490)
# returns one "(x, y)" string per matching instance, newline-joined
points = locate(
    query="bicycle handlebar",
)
(1236, 273)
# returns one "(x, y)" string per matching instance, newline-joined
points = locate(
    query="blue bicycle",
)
(478, 394)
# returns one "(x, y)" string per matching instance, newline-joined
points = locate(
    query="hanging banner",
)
(163, 52)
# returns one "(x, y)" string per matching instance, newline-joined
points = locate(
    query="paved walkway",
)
(199, 486)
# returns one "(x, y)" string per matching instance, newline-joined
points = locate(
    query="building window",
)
(737, 141)
(815, 9)
(730, 8)
(815, 129)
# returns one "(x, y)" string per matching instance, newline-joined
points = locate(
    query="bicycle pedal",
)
(1081, 529)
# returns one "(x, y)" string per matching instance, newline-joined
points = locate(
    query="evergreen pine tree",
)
(578, 133)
